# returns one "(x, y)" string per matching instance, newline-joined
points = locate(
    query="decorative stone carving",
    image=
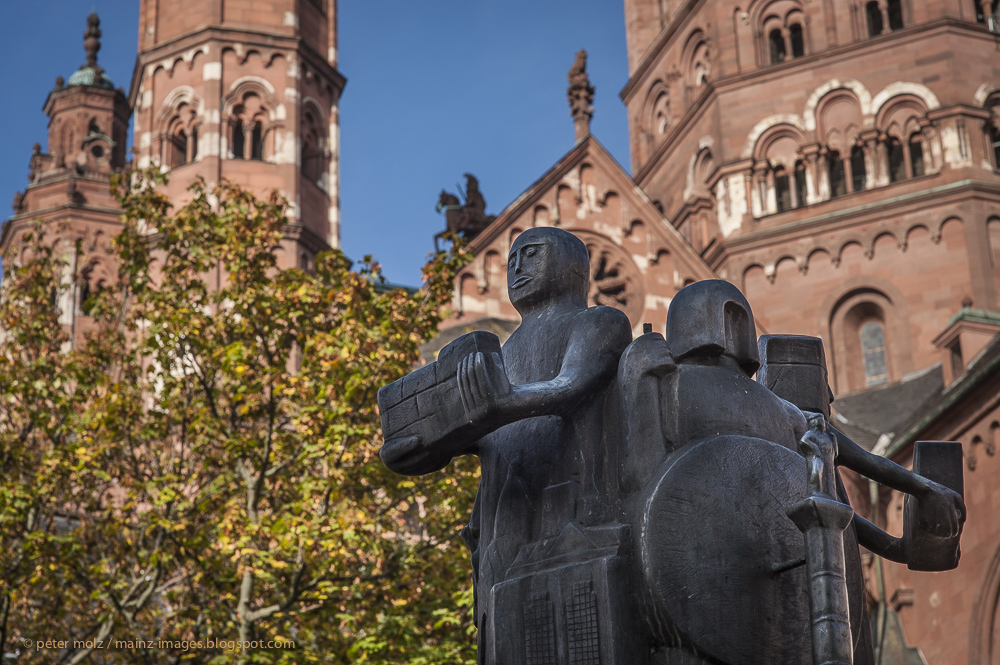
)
(580, 95)
(467, 220)
(614, 278)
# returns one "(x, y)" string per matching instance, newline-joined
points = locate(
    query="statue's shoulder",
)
(605, 316)
(605, 323)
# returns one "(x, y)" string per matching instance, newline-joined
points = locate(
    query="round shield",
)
(722, 560)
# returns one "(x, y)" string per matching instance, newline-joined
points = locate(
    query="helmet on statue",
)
(712, 318)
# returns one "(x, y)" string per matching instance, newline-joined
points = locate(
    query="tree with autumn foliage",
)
(203, 468)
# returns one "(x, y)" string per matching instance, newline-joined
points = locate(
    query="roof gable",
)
(638, 259)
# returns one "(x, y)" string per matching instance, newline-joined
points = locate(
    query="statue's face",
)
(546, 263)
(528, 267)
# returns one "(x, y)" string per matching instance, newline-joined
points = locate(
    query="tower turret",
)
(68, 184)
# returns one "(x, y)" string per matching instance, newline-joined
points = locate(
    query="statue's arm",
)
(878, 468)
(595, 344)
(944, 504)
(878, 542)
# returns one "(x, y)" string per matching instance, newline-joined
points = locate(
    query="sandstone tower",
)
(246, 90)
(68, 183)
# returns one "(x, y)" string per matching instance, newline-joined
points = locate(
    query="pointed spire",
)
(581, 96)
(92, 40)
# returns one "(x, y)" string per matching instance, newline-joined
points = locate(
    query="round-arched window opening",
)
(776, 42)
(97, 151)
(873, 354)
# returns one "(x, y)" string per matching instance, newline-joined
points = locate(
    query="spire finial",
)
(92, 40)
(580, 95)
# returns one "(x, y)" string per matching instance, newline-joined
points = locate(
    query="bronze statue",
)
(649, 502)
(467, 220)
(540, 408)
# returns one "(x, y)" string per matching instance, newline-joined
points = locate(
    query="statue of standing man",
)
(535, 419)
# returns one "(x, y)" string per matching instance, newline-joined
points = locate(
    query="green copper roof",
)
(91, 76)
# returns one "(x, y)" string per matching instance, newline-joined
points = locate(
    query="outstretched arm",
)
(942, 509)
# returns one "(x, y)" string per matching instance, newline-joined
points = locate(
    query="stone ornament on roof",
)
(580, 95)
(91, 74)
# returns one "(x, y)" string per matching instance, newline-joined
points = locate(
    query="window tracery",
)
(179, 146)
(251, 125)
(782, 28)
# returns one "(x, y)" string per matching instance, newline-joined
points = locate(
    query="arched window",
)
(838, 179)
(916, 156)
(85, 295)
(777, 42)
(874, 15)
(873, 353)
(194, 143)
(995, 142)
(782, 190)
(978, 8)
(798, 41)
(239, 140)
(313, 151)
(257, 142)
(801, 189)
(178, 148)
(858, 169)
(895, 8)
(661, 113)
(897, 165)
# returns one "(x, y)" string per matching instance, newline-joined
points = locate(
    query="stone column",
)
(869, 144)
(757, 192)
(810, 154)
(823, 169)
(882, 157)
(907, 166)
(748, 192)
(772, 200)
(848, 174)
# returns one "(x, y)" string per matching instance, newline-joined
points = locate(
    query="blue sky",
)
(435, 88)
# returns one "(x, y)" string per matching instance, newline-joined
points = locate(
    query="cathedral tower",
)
(68, 184)
(246, 90)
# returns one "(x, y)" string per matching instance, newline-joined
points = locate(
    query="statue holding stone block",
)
(649, 502)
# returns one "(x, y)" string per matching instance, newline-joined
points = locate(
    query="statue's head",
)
(546, 263)
(712, 318)
(793, 367)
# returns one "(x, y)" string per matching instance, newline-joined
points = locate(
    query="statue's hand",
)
(483, 385)
(942, 511)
